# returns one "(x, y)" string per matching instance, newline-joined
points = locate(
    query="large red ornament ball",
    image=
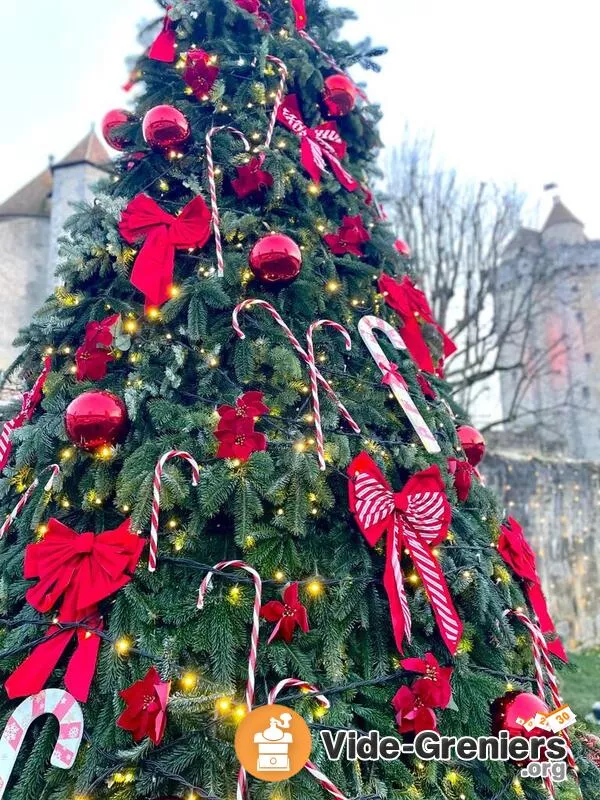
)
(472, 443)
(276, 259)
(96, 419)
(111, 122)
(165, 128)
(339, 95)
(513, 710)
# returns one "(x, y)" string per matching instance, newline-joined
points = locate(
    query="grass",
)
(580, 683)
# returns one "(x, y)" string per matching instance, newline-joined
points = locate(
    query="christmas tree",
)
(238, 475)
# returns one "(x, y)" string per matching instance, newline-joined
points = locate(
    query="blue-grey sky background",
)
(509, 88)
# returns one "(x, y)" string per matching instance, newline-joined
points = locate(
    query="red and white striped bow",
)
(417, 518)
(317, 145)
(31, 400)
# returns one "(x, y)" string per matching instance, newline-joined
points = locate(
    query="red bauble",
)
(402, 248)
(276, 259)
(96, 419)
(165, 128)
(513, 710)
(472, 443)
(111, 122)
(339, 95)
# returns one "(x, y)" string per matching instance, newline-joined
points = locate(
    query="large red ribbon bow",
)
(417, 518)
(164, 46)
(30, 401)
(317, 145)
(412, 306)
(516, 552)
(144, 219)
(80, 570)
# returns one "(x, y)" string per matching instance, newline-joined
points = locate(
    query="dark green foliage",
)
(277, 511)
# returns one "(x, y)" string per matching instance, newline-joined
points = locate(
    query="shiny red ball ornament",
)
(96, 419)
(472, 443)
(402, 248)
(166, 128)
(276, 259)
(111, 123)
(513, 710)
(339, 95)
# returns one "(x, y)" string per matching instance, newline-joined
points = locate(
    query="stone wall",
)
(23, 277)
(558, 504)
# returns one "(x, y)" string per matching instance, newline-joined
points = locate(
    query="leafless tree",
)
(461, 234)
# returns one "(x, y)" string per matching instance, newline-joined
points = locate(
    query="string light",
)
(67, 453)
(172, 523)
(314, 190)
(153, 313)
(315, 587)
(234, 595)
(279, 576)
(332, 286)
(105, 453)
(223, 705)
(189, 681)
(239, 712)
(122, 646)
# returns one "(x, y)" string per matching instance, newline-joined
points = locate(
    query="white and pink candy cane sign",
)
(366, 327)
(61, 705)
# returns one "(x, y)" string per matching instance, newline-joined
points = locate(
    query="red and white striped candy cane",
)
(283, 71)
(330, 61)
(541, 661)
(392, 378)
(25, 497)
(314, 385)
(321, 778)
(309, 358)
(216, 220)
(242, 785)
(156, 486)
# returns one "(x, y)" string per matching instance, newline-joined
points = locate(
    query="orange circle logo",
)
(273, 743)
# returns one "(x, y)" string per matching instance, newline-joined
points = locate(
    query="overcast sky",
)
(509, 88)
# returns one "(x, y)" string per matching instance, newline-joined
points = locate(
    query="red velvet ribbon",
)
(391, 372)
(517, 553)
(79, 570)
(417, 518)
(317, 145)
(412, 307)
(299, 9)
(163, 47)
(162, 234)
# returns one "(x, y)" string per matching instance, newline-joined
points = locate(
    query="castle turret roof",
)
(560, 214)
(89, 150)
(30, 200)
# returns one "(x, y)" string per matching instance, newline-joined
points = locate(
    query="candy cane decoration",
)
(6, 525)
(331, 61)
(216, 220)
(322, 779)
(156, 487)
(392, 378)
(242, 784)
(308, 356)
(283, 71)
(61, 705)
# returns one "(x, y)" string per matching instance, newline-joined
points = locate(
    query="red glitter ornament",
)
(96, 419)
(472, 443)
(276, 259)
(165, 128)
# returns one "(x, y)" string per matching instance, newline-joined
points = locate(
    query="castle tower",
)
(562, 226)
(31, 221)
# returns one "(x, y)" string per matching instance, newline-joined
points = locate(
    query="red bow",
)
(416, 518)
(163, 234)
(411, 305)
(163, 47)
(82, 569)
(516, 552)
(299, 9)
(29, 403)
(318, 145)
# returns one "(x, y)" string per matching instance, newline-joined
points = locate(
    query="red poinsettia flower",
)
(412, 713)
(289, 615)
(251, 6)
(200, 73)
(240, 440)
(434, 688)
(349, 238)
(250, 405)
(91, 364)
(402, 248)
(251, 178)
(146, 711)
(426, 387)
(100, 334)
(463, 477)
